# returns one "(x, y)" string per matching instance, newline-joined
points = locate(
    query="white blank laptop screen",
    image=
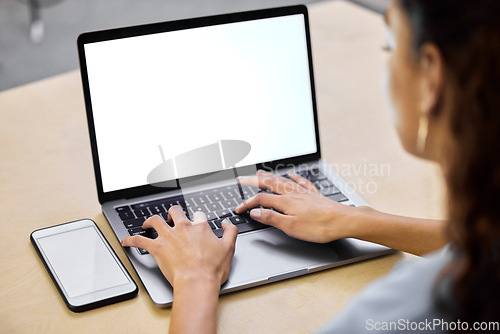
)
(190, 88)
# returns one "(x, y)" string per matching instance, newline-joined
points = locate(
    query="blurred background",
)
(38, 37)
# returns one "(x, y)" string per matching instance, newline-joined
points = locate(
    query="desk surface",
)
(46, 178)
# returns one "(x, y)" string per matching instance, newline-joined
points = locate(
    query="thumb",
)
(138, 241)
(229, 233)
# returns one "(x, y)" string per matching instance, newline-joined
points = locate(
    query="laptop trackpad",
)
(269, 253)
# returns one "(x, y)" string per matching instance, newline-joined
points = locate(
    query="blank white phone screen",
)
(82, 262)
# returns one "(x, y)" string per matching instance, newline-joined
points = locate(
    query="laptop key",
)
(248, 191)
(215, 197)
(338, 197)
(325, 183)
(228, 194)
(250, 226)
(330, 191)
(218, 232)
(189, 202)
(156, 209)
(169, 204)
(210, 215)
(237, 220)
(126, 215)
(231, 203)
(133, 222)
(139, 206)
(302, 173)
(223, 213)
(321, 176)
(315, 175)
(214, 206)
(122, 208)
(200, 200)
(217, 222)
(193, 209)
(142, 212)
(149, 233)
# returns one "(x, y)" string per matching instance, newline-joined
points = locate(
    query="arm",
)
(194, 261)
(309, 216)
(412, 235)
(195, 305)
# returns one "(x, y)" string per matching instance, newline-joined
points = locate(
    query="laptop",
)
(178, 110)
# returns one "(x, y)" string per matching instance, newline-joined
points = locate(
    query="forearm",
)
(412, 235)
(195, 306)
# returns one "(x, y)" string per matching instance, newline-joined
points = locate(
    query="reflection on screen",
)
(189, 89)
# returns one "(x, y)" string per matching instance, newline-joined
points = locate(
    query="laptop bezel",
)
(140, 30)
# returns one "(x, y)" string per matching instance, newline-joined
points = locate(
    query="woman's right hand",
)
(305, 213)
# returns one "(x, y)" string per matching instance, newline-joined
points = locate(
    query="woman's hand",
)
(194, 261)
(304, 213)
(309, 216)
(189, 250)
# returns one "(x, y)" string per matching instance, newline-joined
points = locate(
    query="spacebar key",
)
(250, 226)
(242, 228)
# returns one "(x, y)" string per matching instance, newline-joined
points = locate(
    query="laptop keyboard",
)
(217, 204)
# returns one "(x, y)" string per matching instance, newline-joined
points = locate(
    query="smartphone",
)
(82, 265)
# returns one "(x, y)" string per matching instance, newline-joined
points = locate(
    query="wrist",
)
(357, 221)
(195, 303)
(195, 280)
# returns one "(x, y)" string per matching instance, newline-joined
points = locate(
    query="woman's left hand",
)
(304, 213)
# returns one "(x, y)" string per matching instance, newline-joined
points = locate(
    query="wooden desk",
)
(46, 178)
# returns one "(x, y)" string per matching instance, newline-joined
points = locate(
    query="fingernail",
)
(226, 221)
(255, 213)
(239, 206)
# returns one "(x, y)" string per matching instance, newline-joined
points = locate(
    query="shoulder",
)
(405, 294)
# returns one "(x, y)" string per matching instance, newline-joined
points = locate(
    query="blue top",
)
(401, 302)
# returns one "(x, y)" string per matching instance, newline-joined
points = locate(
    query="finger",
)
(157, 223)
(302, 181)
(272, 176)
(254, 180)
(177, 215)
(262, 199)
(270, 217)
(138, 241)
(229, 233)
(199, 217)
(248, 181)
(284, 185)
(274, 183)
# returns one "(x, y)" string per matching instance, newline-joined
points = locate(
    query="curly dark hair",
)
(467, 33)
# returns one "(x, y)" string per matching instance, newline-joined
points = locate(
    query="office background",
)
(23, 61)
